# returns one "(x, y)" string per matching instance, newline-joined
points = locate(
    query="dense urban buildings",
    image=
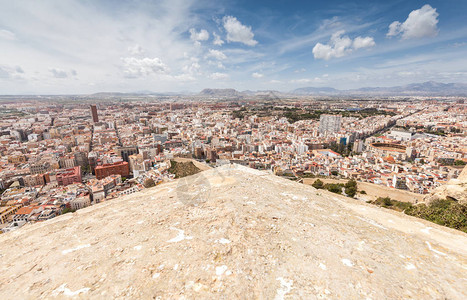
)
(329, 123)
(59, 156)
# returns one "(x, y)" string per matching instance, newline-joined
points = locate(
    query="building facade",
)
(95, 117)
(105, 170)
(69, 176)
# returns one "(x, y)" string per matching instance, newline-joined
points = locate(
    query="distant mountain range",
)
(429, 88)
(220, 93)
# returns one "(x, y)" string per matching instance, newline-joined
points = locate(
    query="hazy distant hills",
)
(220, 93)
(429, 88)
(315, 90)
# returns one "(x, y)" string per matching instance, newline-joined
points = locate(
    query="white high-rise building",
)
(329, 123)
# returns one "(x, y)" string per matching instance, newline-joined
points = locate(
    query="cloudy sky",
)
(86, 46)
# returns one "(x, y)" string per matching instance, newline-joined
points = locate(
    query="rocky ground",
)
(233, 232)
(183, 169)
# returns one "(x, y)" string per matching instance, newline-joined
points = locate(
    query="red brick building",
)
(69, 176)
(105, 170)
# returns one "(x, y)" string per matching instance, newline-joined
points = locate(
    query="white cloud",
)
(219, 55)
(4, 73)
(394, 28)
(237, 32)
(257, 75)
(340, 46)
(8, 72)
(363, 42)
(6, 34)
(217, 64)
(193, 68)
(136, 67)
(316, 80)
(202, 35)
(420, 23)
(95, 46)
(136, 50)
(302, 80)
(218, 75)
(58, 73)
(217, 40)
(274, 81)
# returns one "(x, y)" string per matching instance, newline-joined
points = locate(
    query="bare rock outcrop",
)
(229, 233)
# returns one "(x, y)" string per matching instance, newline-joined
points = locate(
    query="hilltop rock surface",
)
(233, 232)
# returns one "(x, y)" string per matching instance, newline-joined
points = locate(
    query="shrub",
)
(67, 210)
(351, 191)
(318, 184)
(447, 212)
(393, 204)
(334, 188)
(443, 212)
(351, 183)
(387, 201)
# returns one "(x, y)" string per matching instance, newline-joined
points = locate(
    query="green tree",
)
(334, 188)
(351, 183)
(318, 184)
(386, 201)
(351, 191)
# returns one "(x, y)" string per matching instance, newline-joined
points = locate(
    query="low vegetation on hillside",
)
(387, 202)
(182, 169)
(447, 212)
(350, 188)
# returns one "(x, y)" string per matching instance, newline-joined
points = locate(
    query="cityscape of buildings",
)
(58, 157)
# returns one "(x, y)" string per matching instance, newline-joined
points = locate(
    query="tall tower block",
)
(95, 118)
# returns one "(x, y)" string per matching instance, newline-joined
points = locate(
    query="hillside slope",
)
(233, 232)
(455, 189)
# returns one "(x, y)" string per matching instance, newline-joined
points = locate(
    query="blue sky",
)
(71, 46)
